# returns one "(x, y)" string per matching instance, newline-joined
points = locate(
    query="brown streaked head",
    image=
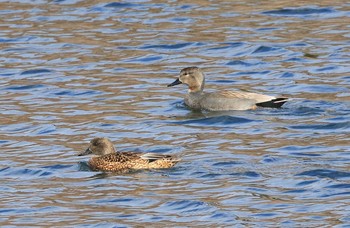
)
(99, 146)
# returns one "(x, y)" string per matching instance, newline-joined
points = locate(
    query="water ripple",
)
(23, 173)
(120, 5)
(324, 173)
(217, 121)
(304, 12)
(341, 126)
(35, 71)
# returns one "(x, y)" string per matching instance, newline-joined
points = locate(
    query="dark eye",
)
(95, 143)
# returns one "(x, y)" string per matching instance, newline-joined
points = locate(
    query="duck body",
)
(222, 100)
(122, 161)
(107, 159)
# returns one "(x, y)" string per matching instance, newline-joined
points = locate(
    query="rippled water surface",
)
(74, 70)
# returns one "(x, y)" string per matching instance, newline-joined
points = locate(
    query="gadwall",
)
(222, 100)
(108, 159)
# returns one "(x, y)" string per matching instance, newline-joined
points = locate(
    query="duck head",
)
(99, 146)
(191, 76)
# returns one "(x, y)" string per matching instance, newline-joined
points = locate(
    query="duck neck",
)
(197, 89)
(110, 150)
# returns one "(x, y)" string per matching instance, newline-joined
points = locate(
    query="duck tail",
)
(274, 103)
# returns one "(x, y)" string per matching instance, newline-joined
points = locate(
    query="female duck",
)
(222, 100)
(108, 159)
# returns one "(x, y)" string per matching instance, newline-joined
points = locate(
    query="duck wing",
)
(258, 98)
(120, 157)
(226, 100)
(123, 157)
(237, 100)
(151, 157)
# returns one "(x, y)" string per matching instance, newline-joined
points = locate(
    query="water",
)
(74, 70)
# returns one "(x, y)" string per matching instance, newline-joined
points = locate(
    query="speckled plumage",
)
(108, 159)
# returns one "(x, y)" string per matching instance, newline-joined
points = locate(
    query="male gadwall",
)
(108, 159)
(222, 100)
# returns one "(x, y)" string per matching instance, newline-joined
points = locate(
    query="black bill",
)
(176, 82)
(86, 152)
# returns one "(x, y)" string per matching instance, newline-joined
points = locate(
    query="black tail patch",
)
(275, 103)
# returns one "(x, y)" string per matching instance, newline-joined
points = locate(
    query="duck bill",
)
(86, 152)
(176, 82)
